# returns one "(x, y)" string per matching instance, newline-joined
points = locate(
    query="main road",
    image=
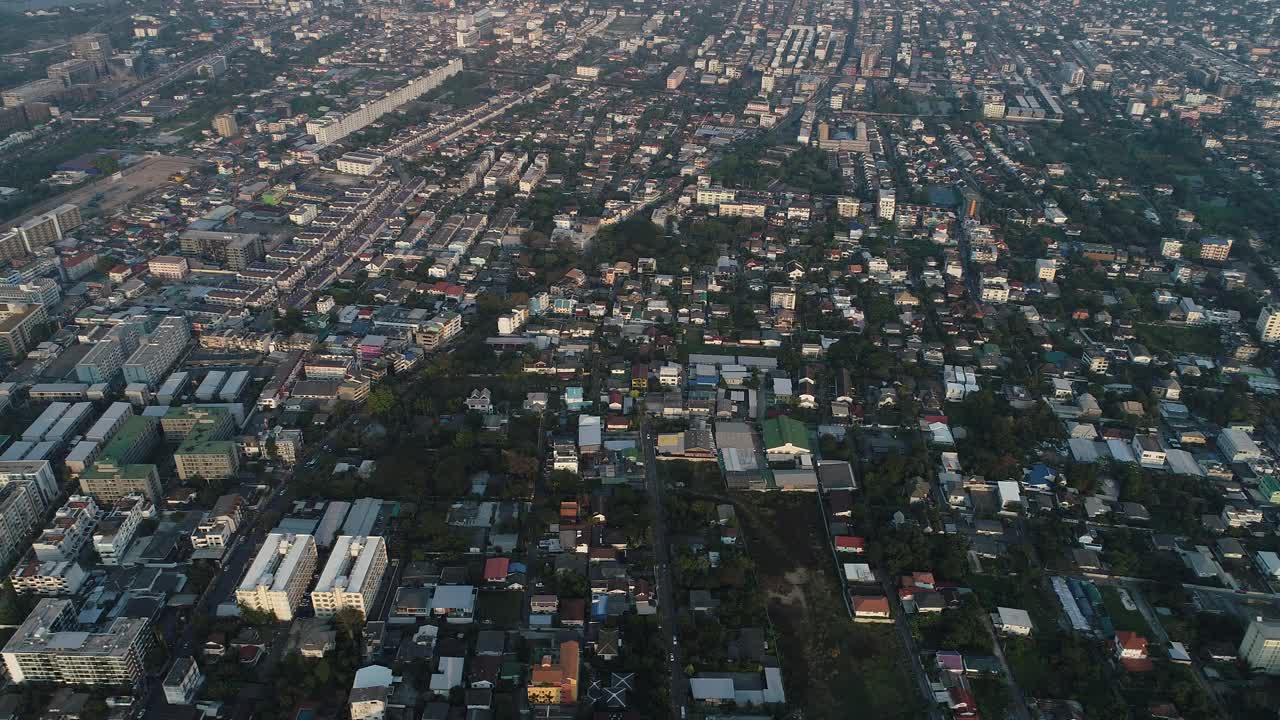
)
(662, 571)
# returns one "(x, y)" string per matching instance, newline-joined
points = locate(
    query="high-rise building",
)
(1260, 648)
(20, 325)
(887, 203)
(20, 510)
(103, 361)
(76, 71)
(157, 353)
(279, 575)
(233, 250)
(351, 577)
(225, 125)
(1269, 324)
(95, 47)
(50, 646)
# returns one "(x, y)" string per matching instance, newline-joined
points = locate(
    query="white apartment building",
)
(169, 267)
(50, 647)
(51, 578)
(158, 352)
(887, 204)
(279, 575)
(512, 322)
(220, 524)
(37, 472)
(360, 163)
(333, 127)
(70, 529)
(183, 682)
(1260, 647)
(1269, 324)
(20, 511)
(116, 530)
(351, 577)
(714, 195)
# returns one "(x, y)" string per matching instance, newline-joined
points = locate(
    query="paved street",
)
(662, 573)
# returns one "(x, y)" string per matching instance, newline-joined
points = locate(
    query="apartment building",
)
(117, 529)
(107, 356)
(288, 445)
(351, 577)
(334, 126)
(95, 47)
(21, 325)
(279, 575)
(183, 682)
(107, 482)
(50, 578)
(70, 529)
(215, 423)
(360, 163)
(1260, 647)
(41, 291)
(51, 647)
(225, 125)
(20, 512)
(1269, 324)
(234, 251)
(203, 454)
(157, 353)
(39, 473)
(219, 524)
(133, 441)
(169, 267)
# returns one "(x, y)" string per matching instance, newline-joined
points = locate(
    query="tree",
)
(106, 164)
(381, 401)
(349, 621)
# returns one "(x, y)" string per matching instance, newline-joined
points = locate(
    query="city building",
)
(21, 324)
(70, 529)
(183, 682)
(351, 577)
(118, 527)
(157, 353)
(1269, 324)
(279, 575)
(225, 125)
(50, 578)
(50, 646)
(20, 513)
(107, 482)
(95, 47)
(1260, 648)
(554, 681)
(169, 267)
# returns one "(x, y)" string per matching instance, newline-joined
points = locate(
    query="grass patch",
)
(1174, 339)
(500, 607)
(1122, 617)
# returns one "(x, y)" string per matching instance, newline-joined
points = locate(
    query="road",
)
(909, 645)
(662, 572)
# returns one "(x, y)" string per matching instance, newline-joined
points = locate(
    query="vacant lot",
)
(830, 664)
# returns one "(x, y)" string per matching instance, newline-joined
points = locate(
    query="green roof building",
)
(785, 436)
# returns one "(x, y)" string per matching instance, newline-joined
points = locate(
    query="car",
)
(673, 657)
